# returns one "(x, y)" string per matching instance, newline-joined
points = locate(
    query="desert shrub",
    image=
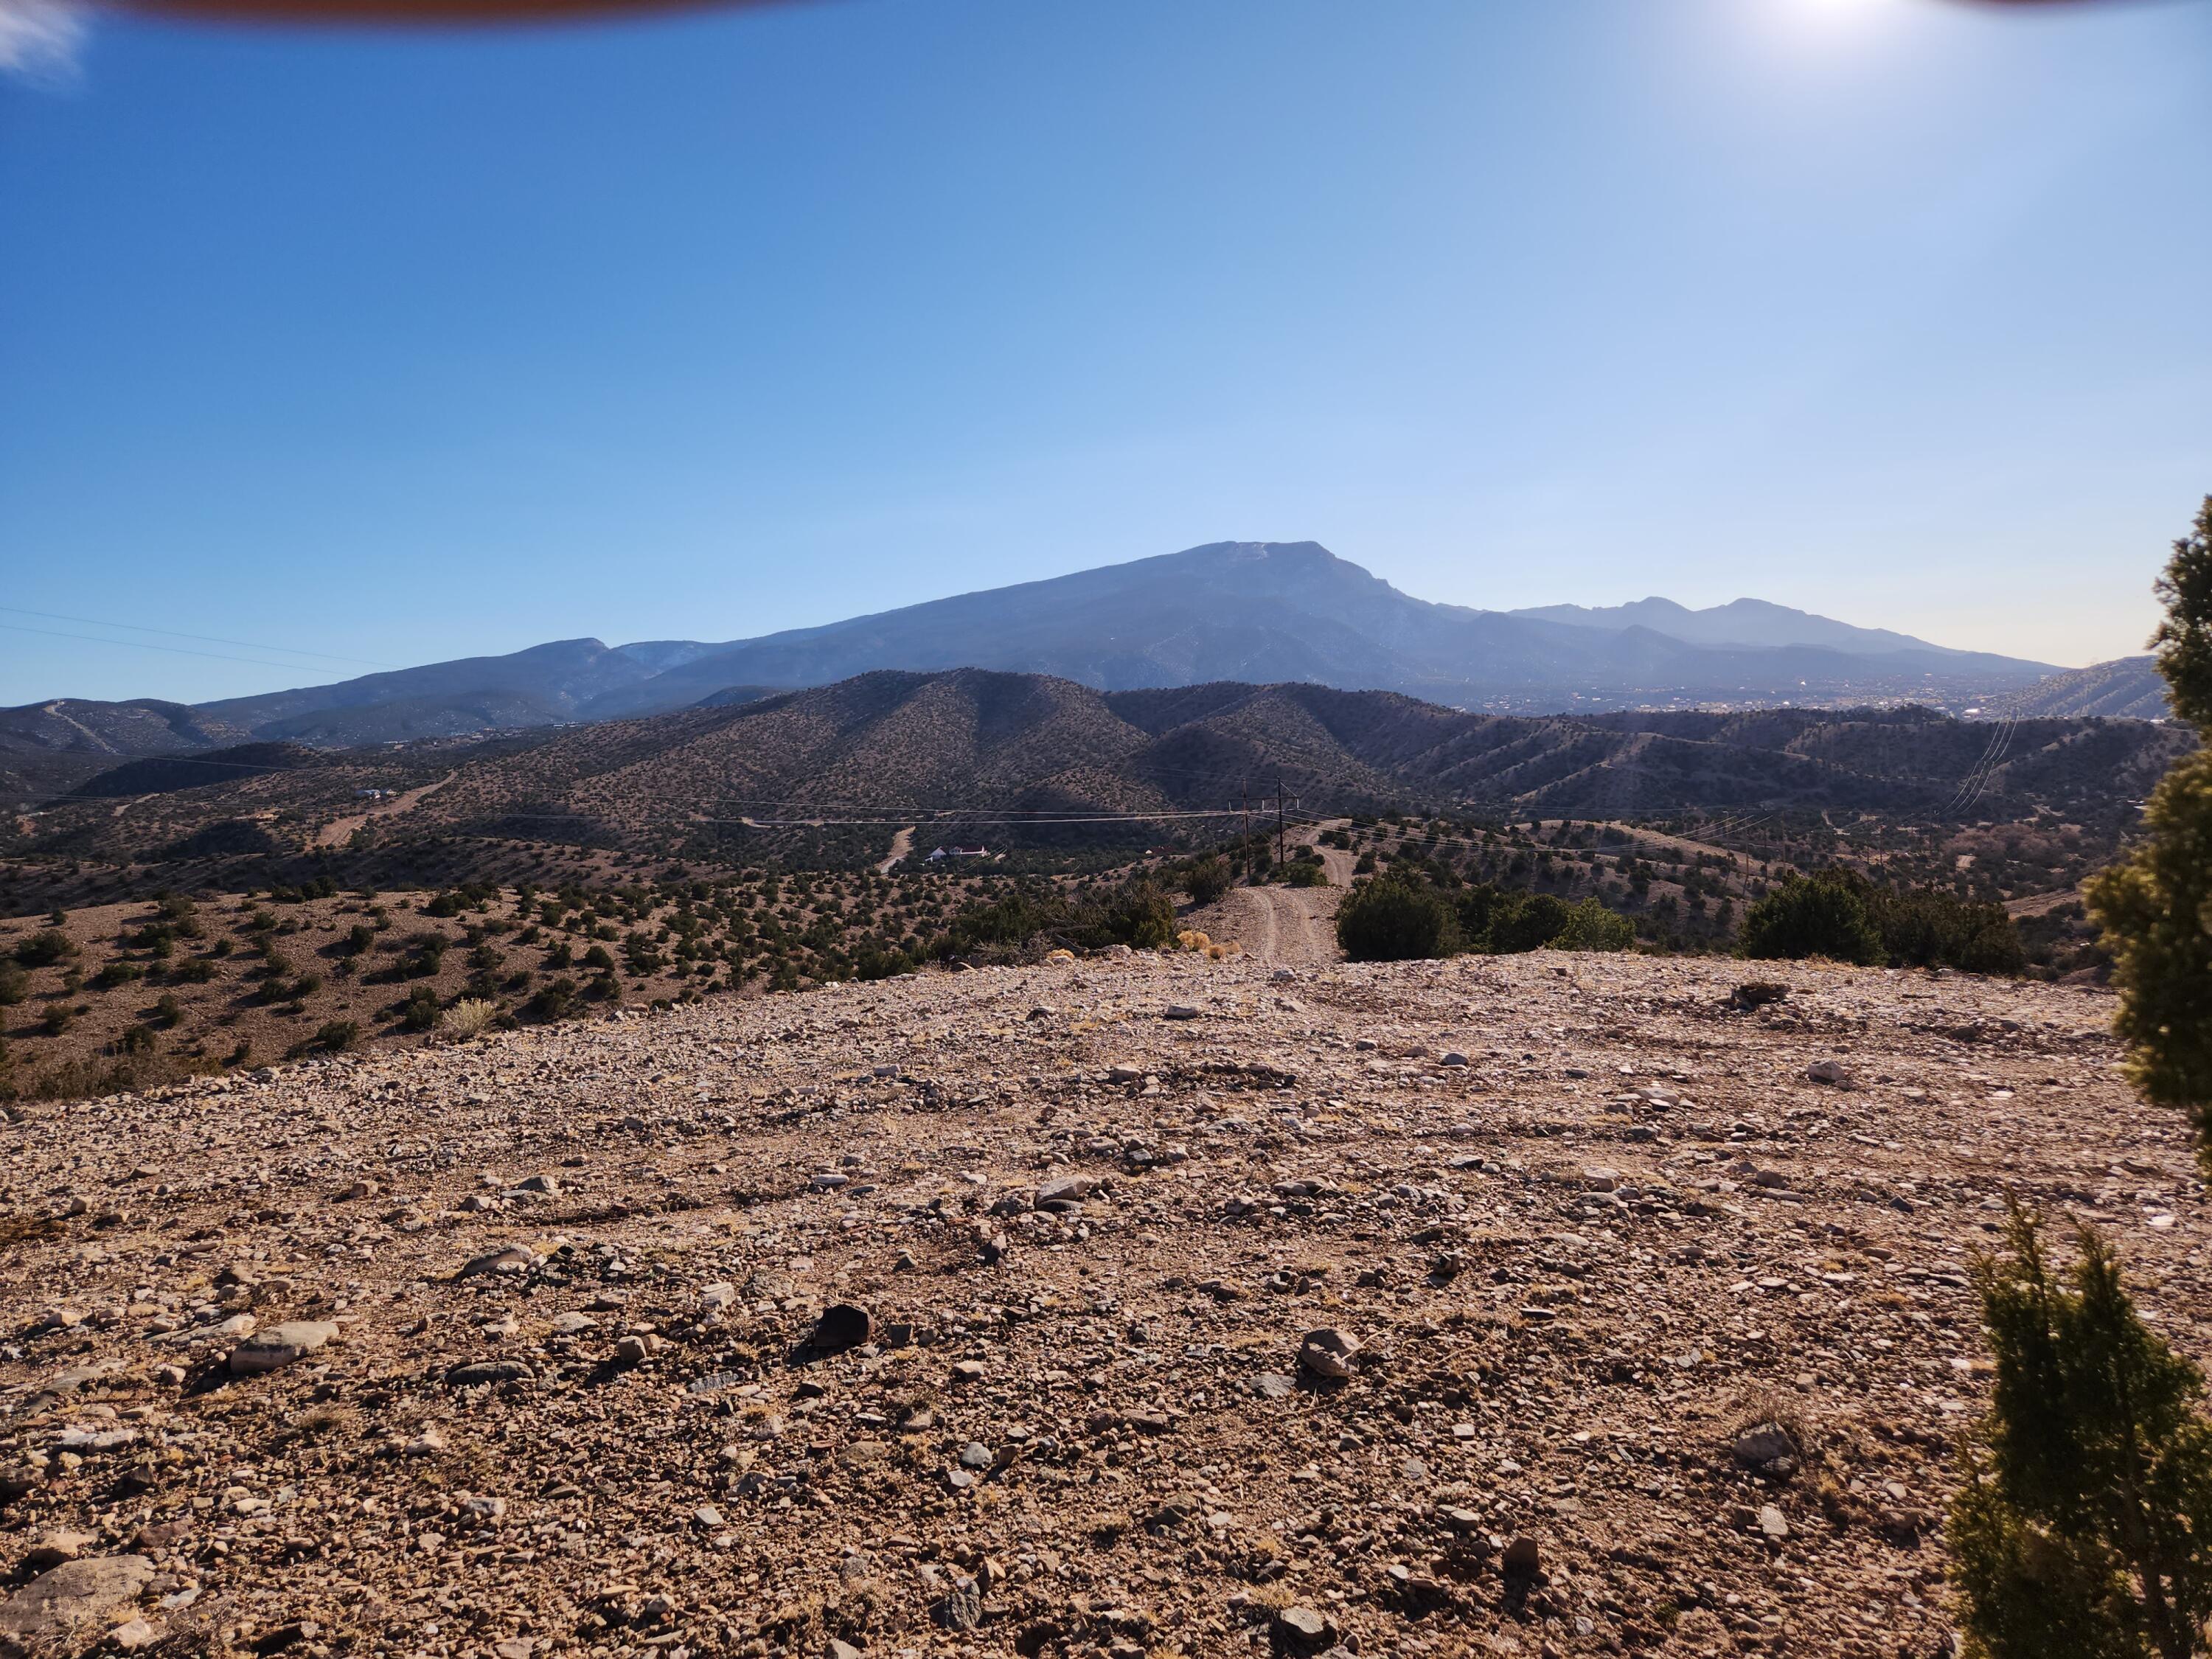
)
(1522, 921)
(15, 984)
(1824, 914)
(1140, 915)
(1303, 872)
(168, 1012)
(468, 1017)
(421, 1010)
(338, 1035)
(193, 970)
(556, 1000)
(44, 948)
(1840, 914)
(1390, 920)
(1207, 879)
(2155, 908)
(426, 955)
(2085, 1523)
(1591, 927)
(114, 973)
(1928, 927)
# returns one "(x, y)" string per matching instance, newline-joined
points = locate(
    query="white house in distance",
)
(938, 854)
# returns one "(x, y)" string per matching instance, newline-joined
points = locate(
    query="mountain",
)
(160, 774)
(1753, 623)
(1272, 611)
(1035, 758)
(2129, 687)
(51, 747)
(1252, 612)
(541, 686)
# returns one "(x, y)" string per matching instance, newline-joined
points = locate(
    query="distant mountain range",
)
(2129, 688)
(990, 756)
(1265, 612)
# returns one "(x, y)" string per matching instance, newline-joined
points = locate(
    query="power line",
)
(204, 639)
(147, 645)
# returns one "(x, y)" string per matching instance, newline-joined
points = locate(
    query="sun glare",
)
(1838, 14)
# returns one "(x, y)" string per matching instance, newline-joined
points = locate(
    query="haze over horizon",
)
(404, 348)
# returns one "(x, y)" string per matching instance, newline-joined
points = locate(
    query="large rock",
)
(1767, 1446)
(844, 1325)
(1328, 1354)
(280, 1345)
(510, 1258)
(56, 1605)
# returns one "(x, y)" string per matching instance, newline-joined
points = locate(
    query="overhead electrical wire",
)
(178, 634)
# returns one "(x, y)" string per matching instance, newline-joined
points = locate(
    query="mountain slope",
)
(1015, 752)
(540, 686)
(162, 774)
(970, 740)
(2129, 687)
(51, 747)
(1753, 623)
(1262, 611)
(1250, 612)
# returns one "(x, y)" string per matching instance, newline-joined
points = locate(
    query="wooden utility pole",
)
(1279, 820)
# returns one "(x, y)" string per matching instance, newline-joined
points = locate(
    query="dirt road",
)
(339, 831)
(1292, 926)
(901, 844)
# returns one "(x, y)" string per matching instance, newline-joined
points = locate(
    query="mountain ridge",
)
(1256, 612)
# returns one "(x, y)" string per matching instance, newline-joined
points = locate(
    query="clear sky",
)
(402, 347)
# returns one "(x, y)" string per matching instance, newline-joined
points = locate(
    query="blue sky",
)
(399, 347)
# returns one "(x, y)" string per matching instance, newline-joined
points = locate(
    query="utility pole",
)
(1279, 820)
(1244, 793)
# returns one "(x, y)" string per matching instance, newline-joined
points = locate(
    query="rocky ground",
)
(1537, 1305)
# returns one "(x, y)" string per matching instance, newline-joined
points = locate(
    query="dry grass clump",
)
(468, 1017)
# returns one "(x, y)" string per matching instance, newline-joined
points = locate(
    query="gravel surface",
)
(1134, 1306)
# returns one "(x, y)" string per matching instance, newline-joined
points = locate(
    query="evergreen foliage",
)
(2155, 907)
(2085, 1525)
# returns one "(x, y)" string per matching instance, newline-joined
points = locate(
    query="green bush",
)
(338, 1035)
(556, 1000)
(1207, 879)
(1391, 920)
(1840, 914)
(1927, 927)
(15, 984)
(1140, 915)
(2155, 908)
(1591, 927)
(1303, 872)
(1523, 920)
(2085, 1523)
(1819, 916)
(44, 948)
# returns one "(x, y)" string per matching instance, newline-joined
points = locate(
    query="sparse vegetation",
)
(2085, 1525)
(469, 1017)
(2155, 908)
